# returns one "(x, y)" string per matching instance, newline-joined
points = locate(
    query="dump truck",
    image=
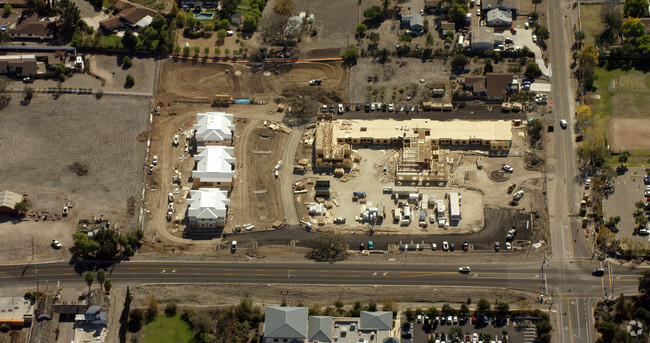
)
(223, 99)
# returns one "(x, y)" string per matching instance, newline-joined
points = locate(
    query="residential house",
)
(92, 316)
(414, 22)
(214, 167)
(214, 128)
(448, 26)
(485, 39)
(377, 320)
(476, 85)
(208, 208)
(506, 5)
(32, 28)
(499, 18)
(285, 324)
(19, 65)
(320, 329)
(128, 14)
(500, 84)
(8, 201)
(236, 19)
(433, 6)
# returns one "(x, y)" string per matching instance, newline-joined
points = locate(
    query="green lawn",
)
(622, 93)
(168, 329)
(590, 21)
(638, 158)
(112, 41)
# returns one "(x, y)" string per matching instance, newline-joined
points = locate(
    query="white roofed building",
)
(214, 128)
(215, 167)
(208, 208)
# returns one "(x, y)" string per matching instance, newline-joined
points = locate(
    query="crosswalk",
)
(530, 334)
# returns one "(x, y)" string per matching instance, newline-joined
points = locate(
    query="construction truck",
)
(223, 99)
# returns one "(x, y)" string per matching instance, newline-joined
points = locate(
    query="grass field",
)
(590, 21)
(168, 329)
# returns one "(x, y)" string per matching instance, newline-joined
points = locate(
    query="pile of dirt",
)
(499, 175)
(79, 168)
(533, 162)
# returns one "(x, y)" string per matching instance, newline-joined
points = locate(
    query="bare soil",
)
(40, 143)
(630, 134)
(183, 80)
(108, 68)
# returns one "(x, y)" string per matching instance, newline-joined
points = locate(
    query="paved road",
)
(526, 276)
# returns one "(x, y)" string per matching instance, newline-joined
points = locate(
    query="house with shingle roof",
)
(285, 324)
(128, 14)
(30, 27)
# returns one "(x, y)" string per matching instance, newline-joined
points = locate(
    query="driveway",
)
(628, 189)
(524, 38)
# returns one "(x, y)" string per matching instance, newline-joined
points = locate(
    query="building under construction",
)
(327, 153)
(421, 161)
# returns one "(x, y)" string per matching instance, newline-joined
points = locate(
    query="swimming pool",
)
(204, 15)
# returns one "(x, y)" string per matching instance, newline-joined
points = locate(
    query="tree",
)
(537, 2)
(542, 33)
(158, 21)
(456, 332)
(89, 277)
(249, 23)
(641, 220)
(135, 319)
(532, 70)
(611, 16)
(101, 277)
(488, 66)
(127, 62)
(223, 24)
(459, 61)
(129, 40)
(635, 8)
(374, 37)
(372, 307)
(605, 238)
(623, 157)
(186, 50)
(338, 305)
(197, 50)
(6, 10)
(171, 308)
(587, 61)
(228, 7)
(351, 54)
(593, 147)
(502, 309)
(221, 34)
(406, 38)
(151, 303)
(458, 12)
(447, 310)
(633, 28)
(108, 285)
(584, 116)
(69, 16)
(432, 312)
(483, 307)
(361, 29)
(410, 315)
(130, 81)
(191, 22)
(607, 174)
(644, 283)
(429, 40)
(284, 7)
(328, 247)
(612, 222)
(206, 50)
(374, 13)
(464, 310)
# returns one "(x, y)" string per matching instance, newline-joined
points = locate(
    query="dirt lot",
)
(182, 80)
(53, 135)
(271, 295)
(108, 68)
(630, 134)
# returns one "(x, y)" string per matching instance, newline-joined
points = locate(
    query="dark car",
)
(357, 107)
(452, 247)
(598, 272)
(465, 246)
(367, 107)
(347, 108)
(369, 78)
(331, 108)
(383, 107)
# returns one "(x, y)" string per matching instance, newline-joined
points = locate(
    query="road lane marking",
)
(568, 311)
(602, 280)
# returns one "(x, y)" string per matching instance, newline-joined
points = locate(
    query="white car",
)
(526, 26)
(175, 140)
(391, 107)
(419, 318)
(56, 244)
(464, 269)
(449, 320)
(155, 160)
(372, 107)
(445, 246)
(508, 246)
(324, 108)
(340, 108)
(507, 168)
(518, 195)
(587, 183)
(478, 12)
(151, 168)
(534, 38)
(434, 246)
(474, 337)
(563, 124)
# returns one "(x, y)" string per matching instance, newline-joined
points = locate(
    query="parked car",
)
(391, 107)
(370, 245)
(513, 30)
(507, 168)
(518, 195)
(534, 38)
(496, 246)
(331, 108)
(340, 108)
(56, 244)
(434, 246)
(357, 107)
(324, 109)
(233, 246)
(151, 168)
(465, 246)
(508, 246)
(587, 183)
(367, 107)
(478, 12)
(526, 26)
(154, 161)
(372, 107)
(445, 246)
(452, 246)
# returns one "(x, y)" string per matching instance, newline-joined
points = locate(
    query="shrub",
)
(171, 308)
(130, 81)
(127, 62)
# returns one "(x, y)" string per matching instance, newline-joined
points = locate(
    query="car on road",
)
(233, 246)
(563, 124)
(419, 318)
(56, 244)
(587, 183)
(478, 12)
(598, 272)
(518, 195)
(154, 161)
(151, 168)
(464, 269)
(507, 168)
(434, 246)
(445, 246)
(465, 246)
(534, 38)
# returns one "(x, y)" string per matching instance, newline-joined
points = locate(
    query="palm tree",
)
(90, 277)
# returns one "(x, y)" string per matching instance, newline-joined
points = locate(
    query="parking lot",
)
(497, 329)
(628, 189)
